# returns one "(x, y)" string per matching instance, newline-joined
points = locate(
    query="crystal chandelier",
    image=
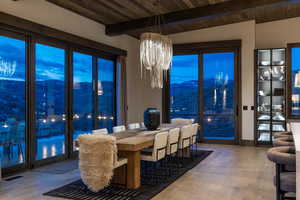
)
(7, 68)
(156, 52)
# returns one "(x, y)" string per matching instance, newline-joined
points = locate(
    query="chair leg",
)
(277, 176)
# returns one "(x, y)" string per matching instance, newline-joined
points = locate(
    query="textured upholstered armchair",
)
(97, 160)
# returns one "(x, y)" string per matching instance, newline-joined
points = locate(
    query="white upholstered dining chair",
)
(133, 126)
(173, 139)
(159, 149)
(185, 137)
(117, 129)
(102, 131)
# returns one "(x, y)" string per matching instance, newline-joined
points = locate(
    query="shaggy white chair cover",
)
(97, 158)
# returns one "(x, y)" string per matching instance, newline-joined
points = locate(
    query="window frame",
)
(289, 84)
(208, 47)
(31, 39)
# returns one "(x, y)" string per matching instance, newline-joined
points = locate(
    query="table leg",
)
(133, 168)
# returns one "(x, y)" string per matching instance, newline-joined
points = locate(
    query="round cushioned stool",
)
(284, 141)
(285, 181)
(282, 134)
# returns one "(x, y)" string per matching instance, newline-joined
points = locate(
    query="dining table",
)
(129, 144)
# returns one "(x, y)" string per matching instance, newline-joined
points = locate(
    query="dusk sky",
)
(185, 67)
(296, 58)
(50, 62)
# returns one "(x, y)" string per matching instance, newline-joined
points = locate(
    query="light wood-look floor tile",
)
(229, 173)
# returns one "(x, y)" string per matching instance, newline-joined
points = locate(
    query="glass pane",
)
(12, 98)
(218, 92)
(106, 94)
(82, 94)
(295, 72)
(184, 87)
(50, 101)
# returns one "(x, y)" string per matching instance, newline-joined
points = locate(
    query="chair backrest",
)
(173, 139)
(194, 131)
(102, 131)
(133, 126)
(182, 121)
(160, 146)
(97, 158)
(117, 129)
(184, 136)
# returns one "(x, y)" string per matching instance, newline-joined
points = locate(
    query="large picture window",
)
(13, 101)
(50, 101)
(294, 81)
(51, 92)
(82, 94)
(106, 93)
(184, 100)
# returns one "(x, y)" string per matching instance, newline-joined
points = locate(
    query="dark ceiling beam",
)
(187, 16)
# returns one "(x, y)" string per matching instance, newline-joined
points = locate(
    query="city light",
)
(53, 120)
(209, 119)
(5, 126)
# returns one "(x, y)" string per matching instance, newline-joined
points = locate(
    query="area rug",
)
(153, 182)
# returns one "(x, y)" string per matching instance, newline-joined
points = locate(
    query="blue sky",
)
(296, 58)
(185, 67)
(50, 62)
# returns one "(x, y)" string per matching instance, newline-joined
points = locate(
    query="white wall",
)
(140, 96)
(278, 34)
(246, 32)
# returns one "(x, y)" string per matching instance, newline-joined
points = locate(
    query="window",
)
(184, 87)
(50, 101)
(43, 82)
(82, 94)
(106, 93)
(294, 101)
(13, 101)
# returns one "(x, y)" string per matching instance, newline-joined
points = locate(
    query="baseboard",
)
(247, 142)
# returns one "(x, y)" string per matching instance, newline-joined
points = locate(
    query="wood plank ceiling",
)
(114, 12)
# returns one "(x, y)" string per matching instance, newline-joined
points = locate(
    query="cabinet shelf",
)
(270, 94)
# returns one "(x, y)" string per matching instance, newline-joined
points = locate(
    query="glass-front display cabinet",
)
(270, 95)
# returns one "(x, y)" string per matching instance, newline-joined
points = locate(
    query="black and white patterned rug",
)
(153, 182)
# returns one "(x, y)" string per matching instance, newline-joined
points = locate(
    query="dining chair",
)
(102, 131)
(98, 157)
(194, 132)
(173, 139)
(156, 153)
(184, 140)
(142, 125)
(117, 129)
(284, 180)
(133, 126)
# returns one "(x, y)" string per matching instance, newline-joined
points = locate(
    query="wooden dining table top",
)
(138, 139)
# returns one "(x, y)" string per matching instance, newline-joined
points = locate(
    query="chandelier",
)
(156, 52)
(7, 68)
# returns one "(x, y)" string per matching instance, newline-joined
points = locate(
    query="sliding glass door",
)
(203, 87)
(82, 94)
(50, 98)
(218, 86)
(184, 87)
(106, 94)
(50, 93)
(13, 101)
